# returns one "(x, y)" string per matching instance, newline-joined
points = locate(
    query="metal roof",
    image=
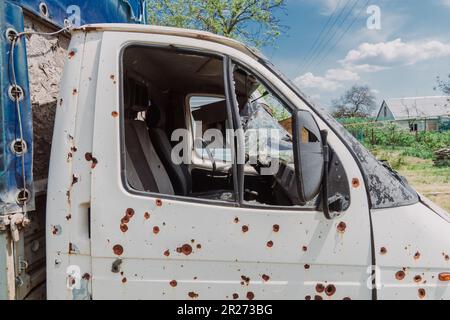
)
(419, 107)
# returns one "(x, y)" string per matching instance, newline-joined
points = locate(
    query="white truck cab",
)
(184, 166)
(125, 221)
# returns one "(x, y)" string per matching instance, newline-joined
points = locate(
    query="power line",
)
(312, 63)
(317, 49)
(343, 34)
(316, 41)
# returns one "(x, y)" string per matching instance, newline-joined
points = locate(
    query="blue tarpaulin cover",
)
(56, 12)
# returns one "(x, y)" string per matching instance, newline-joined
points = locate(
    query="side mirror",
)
(308, 155)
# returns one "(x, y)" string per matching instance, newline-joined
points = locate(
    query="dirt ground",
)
(431, 181)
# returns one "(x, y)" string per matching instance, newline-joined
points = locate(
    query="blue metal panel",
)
(11, 16)
(10, 164)
(103, 11)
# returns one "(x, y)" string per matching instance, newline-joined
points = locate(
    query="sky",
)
(398, 53)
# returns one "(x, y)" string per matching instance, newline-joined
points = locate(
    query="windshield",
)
(279, 145)
(385, 187)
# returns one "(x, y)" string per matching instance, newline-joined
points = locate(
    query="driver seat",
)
(179, 174)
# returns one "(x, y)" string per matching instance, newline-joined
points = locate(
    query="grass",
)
(431, 181)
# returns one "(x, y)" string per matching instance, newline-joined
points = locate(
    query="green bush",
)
(390, 135)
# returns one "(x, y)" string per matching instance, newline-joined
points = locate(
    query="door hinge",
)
(14, 222)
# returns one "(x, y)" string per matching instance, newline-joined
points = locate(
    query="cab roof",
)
(169, 31)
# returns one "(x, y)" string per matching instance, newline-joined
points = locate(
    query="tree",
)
(357, 102)
(255, 22)
(443, 85)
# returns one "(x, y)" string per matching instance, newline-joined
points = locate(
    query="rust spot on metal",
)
(118, 250)
(125, 220)
(74, 92)
(155, 229)
(129, 213)
(307, 266)
(304, 248)
(235, 296)
(236, 220)
(167, 253)
(61, 102)
(330, 290)
(158, 202)
(86, 276)
(355, 182)
(250, 295)
(192, 240)
(341, 227)
(320, 288)
(73, 248)
(88, 156)
(173, 283)
(446, 257)
(124, 280)
(74, 179)
(422, 293)
(317, 297)
(68, 196)
(347, 298)
(269, 244)
(74, 149)
(444, 276)
(246, 280)
(199, 246)
(146, 216)
(112, 77)
(193, 295)
(71, 54)
(185, 249)
(400, 275)
(276, 228)
(418, 278)
(68, 217)
(307, 298)
(417, 255)
(265, 277)
(114, 114)
(244, 228)
(123, 227)
(56, 230)
(383, 251)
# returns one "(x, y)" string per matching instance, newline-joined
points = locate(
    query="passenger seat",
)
(145, 171)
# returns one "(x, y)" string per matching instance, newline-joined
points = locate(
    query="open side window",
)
(159, 135)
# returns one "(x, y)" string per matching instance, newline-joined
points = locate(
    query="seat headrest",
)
(136, 97)
(156, 117)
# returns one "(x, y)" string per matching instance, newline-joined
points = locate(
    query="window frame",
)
(122, 148)
(290, 106)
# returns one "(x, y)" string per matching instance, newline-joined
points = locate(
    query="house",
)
(417, 113)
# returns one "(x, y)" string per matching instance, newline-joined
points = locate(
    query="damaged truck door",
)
(180, 232)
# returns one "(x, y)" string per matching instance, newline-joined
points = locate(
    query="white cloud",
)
(309, 80)
(394, 53)
(330, 82)
(341, 75)
(445, 3)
